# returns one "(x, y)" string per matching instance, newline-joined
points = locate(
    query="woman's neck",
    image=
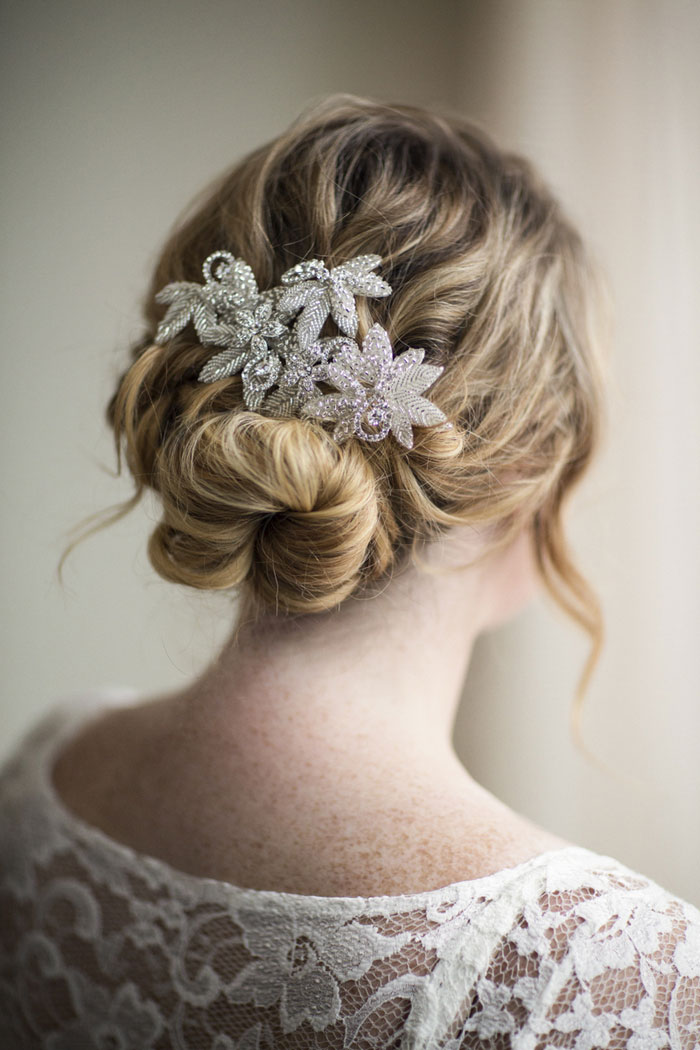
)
(389, 671)
(375, 682)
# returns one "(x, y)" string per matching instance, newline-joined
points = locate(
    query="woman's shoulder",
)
(578, 947)
(120, 772)
(105, 763)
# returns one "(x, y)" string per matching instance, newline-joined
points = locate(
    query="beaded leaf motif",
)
(379, 389)
(319, 292)
(274, 339)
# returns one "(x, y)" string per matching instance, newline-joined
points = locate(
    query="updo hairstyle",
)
(488, 276)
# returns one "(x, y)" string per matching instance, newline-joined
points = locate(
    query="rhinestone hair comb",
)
(274, 339)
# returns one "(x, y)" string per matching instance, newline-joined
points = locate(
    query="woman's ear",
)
(510, 579)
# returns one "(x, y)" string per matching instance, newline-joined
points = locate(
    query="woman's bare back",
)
(282, 829)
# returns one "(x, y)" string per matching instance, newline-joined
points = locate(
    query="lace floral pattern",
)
(102, 947)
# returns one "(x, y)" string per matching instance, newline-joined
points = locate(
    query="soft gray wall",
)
(116, 114)
(606, 96)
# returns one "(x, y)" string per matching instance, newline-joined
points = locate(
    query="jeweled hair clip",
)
(274, 339)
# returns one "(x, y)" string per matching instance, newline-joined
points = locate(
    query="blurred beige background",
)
(115, 115)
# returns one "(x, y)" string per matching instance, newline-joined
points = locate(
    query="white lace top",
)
(103, 948)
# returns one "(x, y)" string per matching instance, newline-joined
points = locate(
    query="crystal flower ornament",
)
(304, 369)
(378, 389)
(227, 310)
(274, 339)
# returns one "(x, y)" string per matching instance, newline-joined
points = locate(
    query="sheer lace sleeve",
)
(611, 960)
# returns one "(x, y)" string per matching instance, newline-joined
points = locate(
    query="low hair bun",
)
(272, 506)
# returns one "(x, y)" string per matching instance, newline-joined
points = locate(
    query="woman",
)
(368, 382)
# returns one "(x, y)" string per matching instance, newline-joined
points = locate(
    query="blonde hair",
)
(488, 275)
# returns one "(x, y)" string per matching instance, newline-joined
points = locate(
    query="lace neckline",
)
(71, 717)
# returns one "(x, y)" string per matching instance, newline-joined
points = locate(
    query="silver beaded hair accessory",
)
(273, 338)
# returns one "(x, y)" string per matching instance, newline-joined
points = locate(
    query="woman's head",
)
(488, 276)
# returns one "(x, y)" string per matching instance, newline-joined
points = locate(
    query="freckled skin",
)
(318, 759)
